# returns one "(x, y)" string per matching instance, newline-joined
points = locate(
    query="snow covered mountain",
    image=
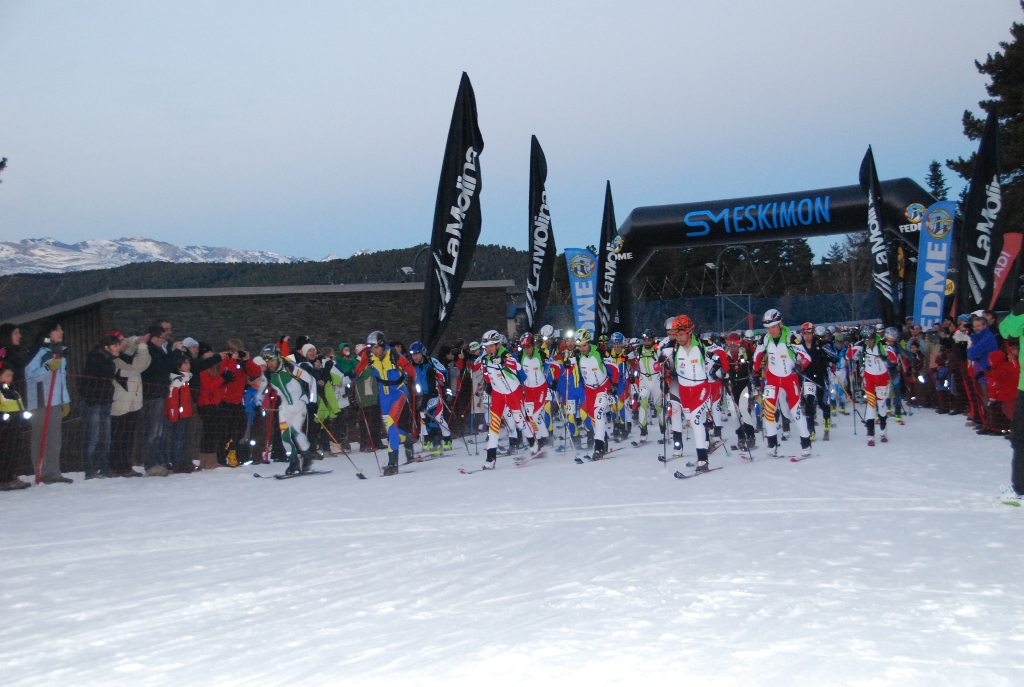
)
(50, 255)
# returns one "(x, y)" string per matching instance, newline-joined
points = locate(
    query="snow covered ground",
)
(895, 565)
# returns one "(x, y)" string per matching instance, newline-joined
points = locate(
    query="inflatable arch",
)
(822, 212)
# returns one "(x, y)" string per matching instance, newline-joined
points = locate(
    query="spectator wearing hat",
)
(371, 428)
(46, 380)
(126, 410)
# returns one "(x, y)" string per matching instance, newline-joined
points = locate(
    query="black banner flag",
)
(880, 272)
(982, 240)
(456, 217)
(542, 239)
(607, 255)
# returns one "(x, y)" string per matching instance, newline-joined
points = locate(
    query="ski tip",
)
(360, 475)
(256, 474)
(794, 459)
(1012, 503)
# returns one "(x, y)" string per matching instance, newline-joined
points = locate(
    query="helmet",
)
(583, 336)
(891, 333)
(526, 340)
(503, 339)
(417, 347)
(473, 346)
(546, 331)
(772, 317)
(681, 323)
(668, 324)
(867, 331)
(569, 335)
(376, 339)
(707, 337)
(617, 339)
(807, 328)
(635, 342)
(270, 352)
(830, 330)
(733, 339)
(648, 334)
(879, 327)
(819, 330)
(490, 337)
(840, 337)
(749, 335)
(601, 340)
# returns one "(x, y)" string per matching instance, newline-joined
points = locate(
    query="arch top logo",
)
(581, 266)
(938, 224)
(616, 244)
(914, 212)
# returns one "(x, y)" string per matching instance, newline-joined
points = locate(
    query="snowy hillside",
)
(50, 255)
(893, 565)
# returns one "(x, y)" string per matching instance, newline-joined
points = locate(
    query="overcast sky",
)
(309, 128)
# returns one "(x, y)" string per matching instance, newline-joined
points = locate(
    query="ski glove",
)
(53, 364)
(65, 410)
(228, 376)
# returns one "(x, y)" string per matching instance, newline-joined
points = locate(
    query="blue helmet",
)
(417, 347)
(617, 339)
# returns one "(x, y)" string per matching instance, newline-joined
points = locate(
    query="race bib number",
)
(810, 388)
(769, 392)
(570, 407)
(529, 409)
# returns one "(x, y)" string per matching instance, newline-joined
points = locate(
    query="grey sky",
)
(316, 127)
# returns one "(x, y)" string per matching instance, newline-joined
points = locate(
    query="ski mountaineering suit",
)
(778, 360)
(693, 402)
(501, 372)
(652, 396)
(598, 377)
(718, 367)
(431, 377)
(292, 386)
(817, 392)
(391, 372)
(533, 374)
(876, 358)
(620, 403)
(570, 390)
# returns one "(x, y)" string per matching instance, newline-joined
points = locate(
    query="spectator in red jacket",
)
(177, 409)
(234, 371)
(1003, 377)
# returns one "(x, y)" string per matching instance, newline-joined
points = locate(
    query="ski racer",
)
(430, 383)
(743, 395)
(652, 392)
(897, 371)
(292, 386)
(778, 357)
(816, 387)
(876, 356)
(392, 372)
(570, 389)
(533, 374)
(718, 368)
(622, 420)
(501, 373)
(598, 377)
(686, 359)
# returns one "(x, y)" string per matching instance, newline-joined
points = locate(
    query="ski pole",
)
(359, 473)
(46, 425)
(373, 440)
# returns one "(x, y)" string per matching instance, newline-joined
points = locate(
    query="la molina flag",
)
(607, 254)
(982, 242)
(880, 272)
(456, 217)
(542, 239)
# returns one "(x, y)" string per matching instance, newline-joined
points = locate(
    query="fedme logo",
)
(581, 266)
(776, 215)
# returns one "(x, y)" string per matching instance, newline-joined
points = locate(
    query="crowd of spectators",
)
(153, 404)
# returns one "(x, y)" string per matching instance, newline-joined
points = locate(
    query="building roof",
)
(131, 294)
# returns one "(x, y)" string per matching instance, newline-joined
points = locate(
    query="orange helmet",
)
(807, 328)
(682, 323)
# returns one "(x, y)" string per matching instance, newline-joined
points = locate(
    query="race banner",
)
(607, 283)
(542, 239)
(933, 262)
(1006, 266)
(880, 271)
(582, 266)
(456, 217)
(982, 240)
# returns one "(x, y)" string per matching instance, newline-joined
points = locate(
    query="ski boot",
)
(881, 436)
(293, 465)
(600, 449)
(643, 434)
(446, 445)
(492, 459)
(702, 460)
(677, 444)
(773, 445)
(307, 460)
(805, 446)
(392, 467)
(899, 419)
(828, 427)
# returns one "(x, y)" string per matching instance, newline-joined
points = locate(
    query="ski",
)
(1012, 503)
(664, 460)
(747, 457)
(464, 471)
(592, 459)
(638, 444)
(297, 474)
(527, 459)
(797, 459)
(679, 475)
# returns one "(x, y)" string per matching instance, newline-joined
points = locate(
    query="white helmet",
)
(547, 331)
(749, 335)
(819, 330)
(491, 336)
(772, 317)
(668, 324)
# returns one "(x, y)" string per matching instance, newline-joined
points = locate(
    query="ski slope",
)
(894, 565)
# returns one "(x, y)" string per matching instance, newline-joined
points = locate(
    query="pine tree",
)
(3, 166)
(936, 181)
(1006, 71)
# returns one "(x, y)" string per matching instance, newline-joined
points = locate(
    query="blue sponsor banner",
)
(582, 267)
(933, 262)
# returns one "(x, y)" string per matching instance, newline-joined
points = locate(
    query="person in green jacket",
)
(1012, 327)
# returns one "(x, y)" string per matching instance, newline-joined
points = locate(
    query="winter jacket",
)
(10, 399)
(38, 377)
(96, 385)
(236, 381)
(982, 343)
(127, 381)
(1012, 327)
(155, 378)
(211, 387)
(1003, 376)
(178, 405)
(347, 365)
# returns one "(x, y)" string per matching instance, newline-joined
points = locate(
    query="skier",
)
(292, 386)
(897, 371)
(718, 368)
(687, 359)
(778, 356)
(501, 372)
(652, 395)
(622, 423)
(743, 394)
(533, 373)
(392, 372)
(570, 389)
(876, 356)
(598, 377)
(816, 389)
(430, 383)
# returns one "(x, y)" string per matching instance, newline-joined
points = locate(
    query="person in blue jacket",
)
(983, 342)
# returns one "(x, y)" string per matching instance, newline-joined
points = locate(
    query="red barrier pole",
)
(46, 426)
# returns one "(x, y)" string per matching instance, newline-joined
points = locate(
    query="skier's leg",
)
(770, 400)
